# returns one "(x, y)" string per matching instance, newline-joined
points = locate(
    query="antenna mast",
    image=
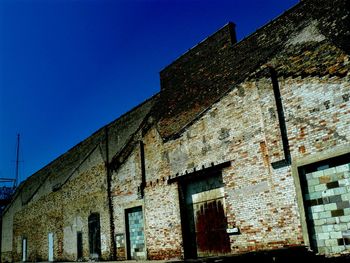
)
(17, 163)
(5, 191)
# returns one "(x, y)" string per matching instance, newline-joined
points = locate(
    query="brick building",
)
(246, 147)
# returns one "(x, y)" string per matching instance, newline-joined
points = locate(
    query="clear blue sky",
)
(68, 67)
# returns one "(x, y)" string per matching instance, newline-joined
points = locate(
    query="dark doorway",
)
(203, 216)
(79, 245)
(94, 236)
(135, 236)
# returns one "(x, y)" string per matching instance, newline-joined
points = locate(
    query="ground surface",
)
(295, 255)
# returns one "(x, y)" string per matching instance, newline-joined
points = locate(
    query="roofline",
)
(22, 184)
(291, 9)
(121, 116)
(234, 85)
(257, 31)
(131, 140)
(230, 24)
(94, 133)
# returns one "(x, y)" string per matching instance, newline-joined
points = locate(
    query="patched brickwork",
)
(163, 226)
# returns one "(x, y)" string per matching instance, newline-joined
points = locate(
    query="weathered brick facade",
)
(247, 146)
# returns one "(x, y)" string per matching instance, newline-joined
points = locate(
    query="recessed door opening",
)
(94, 236)
(203, 217)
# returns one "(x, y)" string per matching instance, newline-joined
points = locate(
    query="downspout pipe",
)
(281, 121)
(110, 203)
(143, 169)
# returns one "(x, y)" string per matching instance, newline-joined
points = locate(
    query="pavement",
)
(286, 255)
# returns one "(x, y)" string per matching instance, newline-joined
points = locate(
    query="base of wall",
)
(6, 257)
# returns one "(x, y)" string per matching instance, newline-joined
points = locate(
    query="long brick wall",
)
(277, 107)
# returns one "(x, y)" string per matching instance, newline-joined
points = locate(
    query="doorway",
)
(203, 216)
(135, 236)
(94, 236)
(79, 245)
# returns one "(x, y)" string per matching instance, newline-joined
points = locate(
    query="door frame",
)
(24, 249)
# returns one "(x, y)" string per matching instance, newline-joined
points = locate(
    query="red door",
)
(211, 223)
